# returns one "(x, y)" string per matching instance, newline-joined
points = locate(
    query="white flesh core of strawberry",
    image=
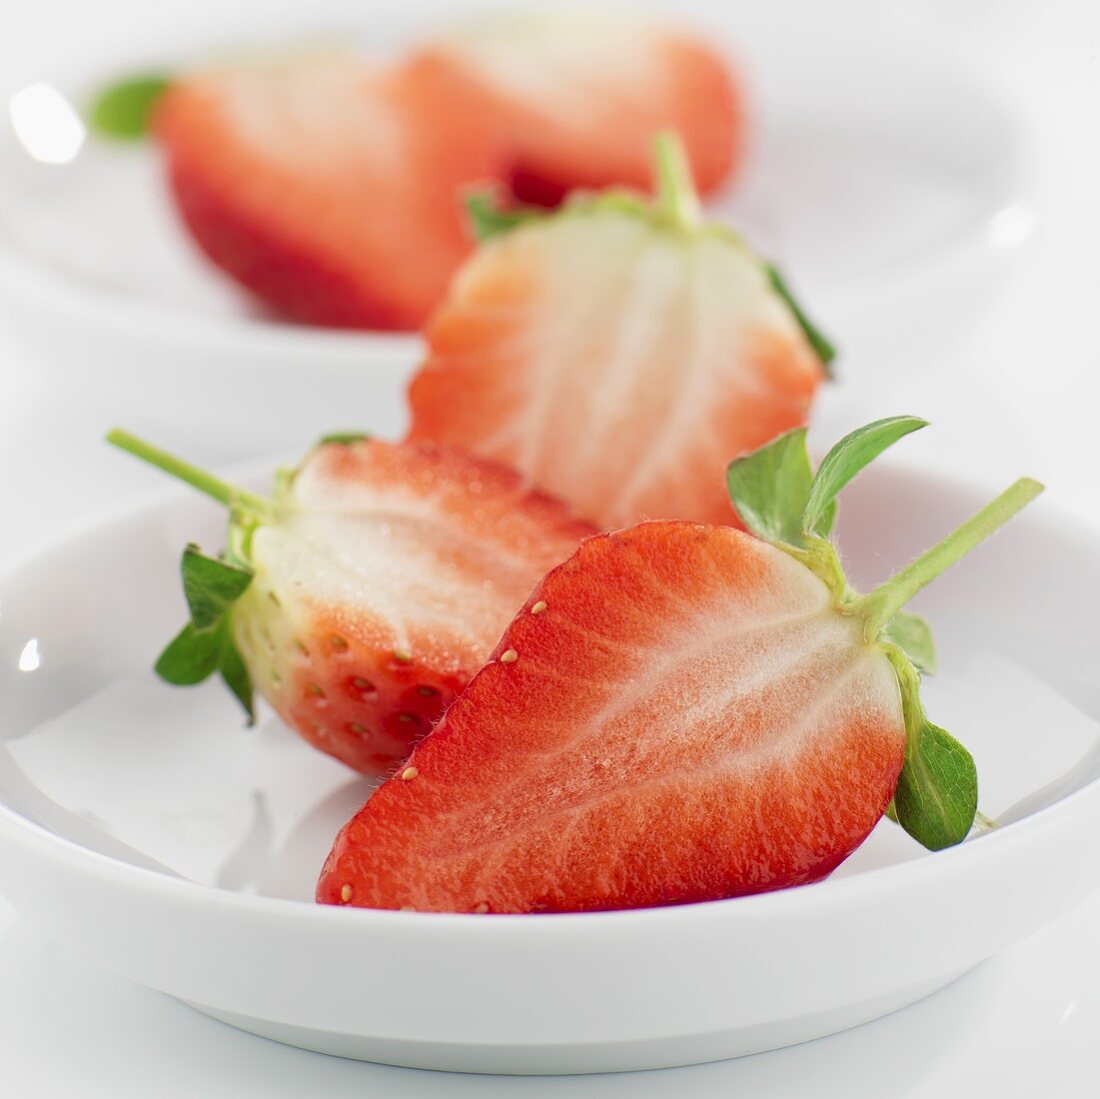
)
(381, 566)
(313, 114)
(629, 317)
(778, 647)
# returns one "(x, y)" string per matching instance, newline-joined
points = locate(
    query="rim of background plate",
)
(833, 892)
(25, 276)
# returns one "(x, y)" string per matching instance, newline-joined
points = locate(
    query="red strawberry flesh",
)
(577, 97)
(329, 189)
(616, 361)
(678, 713)
(381, 590)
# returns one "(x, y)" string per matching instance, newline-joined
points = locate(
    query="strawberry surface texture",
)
(329, 188)
(362, 596)
(685, 718)
(617, 353)
(682, 712)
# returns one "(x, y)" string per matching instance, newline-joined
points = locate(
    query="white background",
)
(1015, 391)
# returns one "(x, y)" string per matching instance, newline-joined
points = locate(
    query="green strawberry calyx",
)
(783, 501)
(213, 584)
(123, 110)
(675, 206)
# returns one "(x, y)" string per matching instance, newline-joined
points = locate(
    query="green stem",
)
(236, 499)
(677, 200)
(879, 606)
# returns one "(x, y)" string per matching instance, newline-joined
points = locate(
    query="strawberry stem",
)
(879, 606)
(236, 499)
(677, 200)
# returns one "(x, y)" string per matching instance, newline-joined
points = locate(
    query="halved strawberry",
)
(330, 189)
(679, 713)
(617, 352)
(361, 598)
(578, 95)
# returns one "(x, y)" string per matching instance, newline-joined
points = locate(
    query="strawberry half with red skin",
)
(577, 96)
(617, 352)
(679, 713)
(328, 188)
(363, 595)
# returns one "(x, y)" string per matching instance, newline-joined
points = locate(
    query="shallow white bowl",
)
(143, 824)
(885, 177)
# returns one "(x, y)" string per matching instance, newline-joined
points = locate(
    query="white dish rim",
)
(832, 891)
(102, 307)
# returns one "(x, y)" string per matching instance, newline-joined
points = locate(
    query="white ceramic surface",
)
(889, 182)
(141, 824)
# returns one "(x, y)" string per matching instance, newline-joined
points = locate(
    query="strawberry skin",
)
(678, 713)
(362, 596)
(331, 190)
(615, 359)
(383, 586)
(577, 97)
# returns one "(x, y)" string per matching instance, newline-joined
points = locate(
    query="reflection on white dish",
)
(29, 660)
(1011, 226)
(46, 123)
(177, 776)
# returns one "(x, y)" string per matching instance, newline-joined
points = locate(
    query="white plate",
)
(143, 825)
(885, 176)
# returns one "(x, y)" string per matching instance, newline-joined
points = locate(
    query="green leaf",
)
(488, 219)
(190, 657)
(343, 438)
(846, 459)
(124, 110)
(937, 793)
(194, 655)
(913, 636)
(205, 645)
(211, 585)
(770, 487)
(235, 674)
(824, 350)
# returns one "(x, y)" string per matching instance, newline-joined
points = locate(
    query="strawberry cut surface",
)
(677, 713)
(328, 188)
(615, 360)
(383, 587)
(361, 596)
(577, 97)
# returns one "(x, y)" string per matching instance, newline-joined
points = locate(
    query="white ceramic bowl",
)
(885, 176)
(144, 825)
